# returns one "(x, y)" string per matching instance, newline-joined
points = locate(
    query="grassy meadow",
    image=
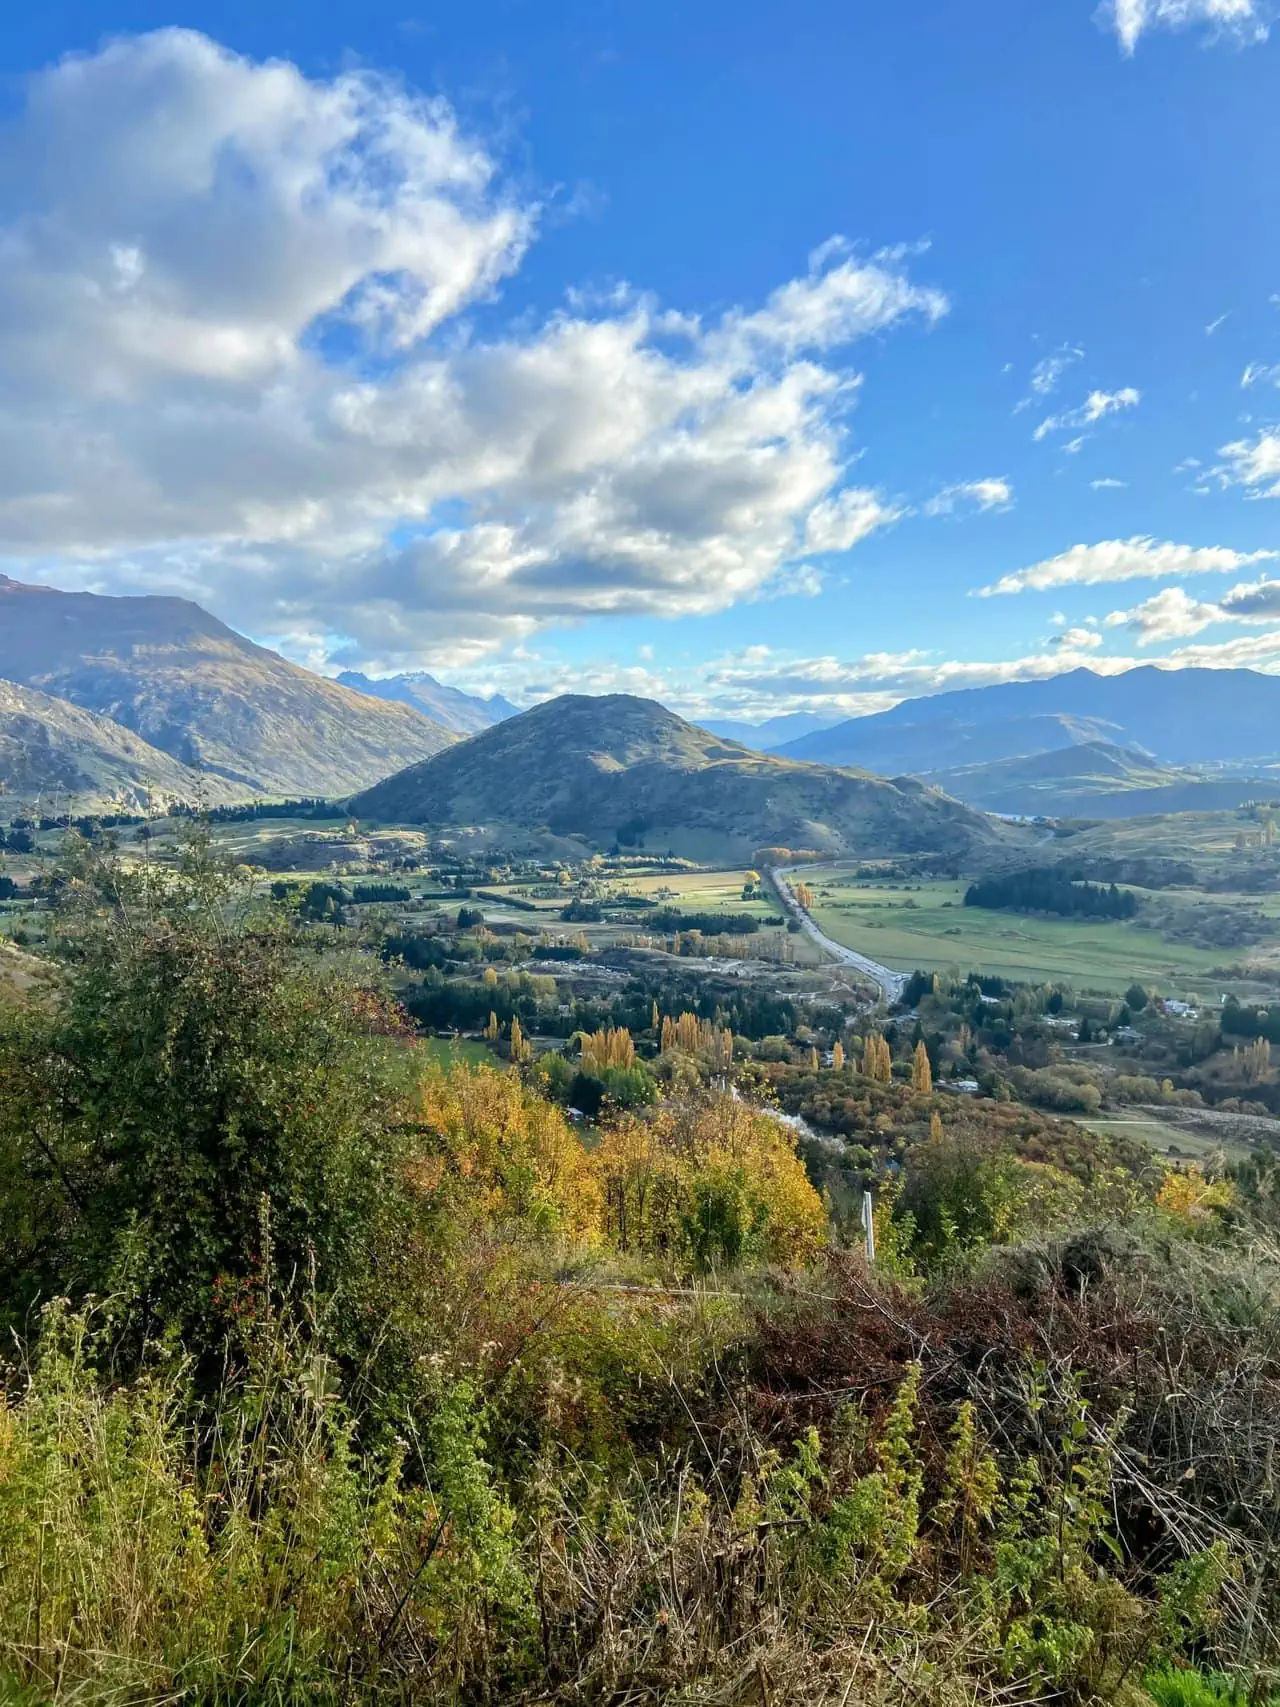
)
(928, 926)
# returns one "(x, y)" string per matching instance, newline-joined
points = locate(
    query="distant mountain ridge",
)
(774, 732)
(464, 713)
(618, 768)
(1094, 780)
(209, 698)
(1181, 717)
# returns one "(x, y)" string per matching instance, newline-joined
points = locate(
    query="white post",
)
(869, 1226)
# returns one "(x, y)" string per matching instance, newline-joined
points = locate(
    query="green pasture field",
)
(928, 926)
(450, 1052)
(703, 892)
(1165, 1139)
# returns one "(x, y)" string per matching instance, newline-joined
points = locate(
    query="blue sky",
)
(759, 358)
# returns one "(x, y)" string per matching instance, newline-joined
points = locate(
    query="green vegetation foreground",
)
(336, 1376)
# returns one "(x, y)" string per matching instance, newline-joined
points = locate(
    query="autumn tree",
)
(877, 1063)
(921, 1071)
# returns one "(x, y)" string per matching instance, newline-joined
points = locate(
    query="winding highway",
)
(890, 983)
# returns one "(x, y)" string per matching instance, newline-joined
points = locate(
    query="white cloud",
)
(994, 493)
(1255, 601)
(1078, 640)
(875, 681)
(1107, 484)
(1169, 615)
(1216, 325)
(1125, 560)
(837, 524)
(1096, 406)
(1244, 21)
(1173, 615)
(1252, 463)
(1258, 373)
(235, 363)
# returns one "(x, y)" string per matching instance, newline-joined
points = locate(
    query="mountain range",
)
(464, 713)
(773, 732)
(194, 690)
(1181, 717)
(627, 770)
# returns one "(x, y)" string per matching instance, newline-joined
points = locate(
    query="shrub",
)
(719, 1184)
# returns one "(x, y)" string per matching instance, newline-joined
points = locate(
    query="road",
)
(891, 984)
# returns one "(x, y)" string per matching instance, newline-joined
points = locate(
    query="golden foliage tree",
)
(837, 1055)
(715, 1184)
(701, 1037)
(610, 1047)
(921, 1071)
(495, 1153)
(877, 1063)
(521, 1048)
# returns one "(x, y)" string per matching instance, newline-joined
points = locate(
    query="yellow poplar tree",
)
(837, 1055)
(921, 1071)
(877, 1063)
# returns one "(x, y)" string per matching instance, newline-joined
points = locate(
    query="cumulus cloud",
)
(1169, 615)
(1173, 614)
(994, 493)
(1243, 21)
(1125, 560)
(1078, 640)
(1096, 406)
(1256, 601)
(240, 358)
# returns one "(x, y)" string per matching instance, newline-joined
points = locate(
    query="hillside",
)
(1093, 780)
(464, 713)
(195, 689)
(77, 761)
(1183, 717)
(625, 769)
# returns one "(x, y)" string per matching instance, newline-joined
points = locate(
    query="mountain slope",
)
(1183, 717)
(628, 769)
(73, 760)
(1093, 780)
(192, 687)
(464, 713)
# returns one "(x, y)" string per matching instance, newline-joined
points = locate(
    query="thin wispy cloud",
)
(1096, 407)
(1244, 22)
(1253, 464)
(995, 493)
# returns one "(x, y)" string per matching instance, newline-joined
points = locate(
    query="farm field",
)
(928, 926)
(450, 1052)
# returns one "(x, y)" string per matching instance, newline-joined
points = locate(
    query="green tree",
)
(199, 1116)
